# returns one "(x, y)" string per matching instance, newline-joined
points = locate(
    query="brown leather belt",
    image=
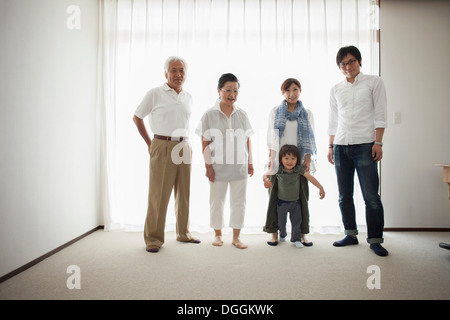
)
(178, 139)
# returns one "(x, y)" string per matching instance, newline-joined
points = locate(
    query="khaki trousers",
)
(166, 175)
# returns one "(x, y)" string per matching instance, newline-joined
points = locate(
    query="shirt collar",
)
(217, 107)
(359, 76)
(357, 79)
(167, 88)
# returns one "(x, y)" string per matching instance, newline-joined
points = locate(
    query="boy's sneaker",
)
(298, 244)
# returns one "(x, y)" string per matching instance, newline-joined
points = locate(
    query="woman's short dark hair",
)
(290, 149)
(288, 82)
(225, 78)
(344, 51)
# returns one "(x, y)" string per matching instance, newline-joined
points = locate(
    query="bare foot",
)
(218, 241)
(238, 244)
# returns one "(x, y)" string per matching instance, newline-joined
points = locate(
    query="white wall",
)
(47, 127)
(415, 49)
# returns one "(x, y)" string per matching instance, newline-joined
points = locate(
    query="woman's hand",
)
(210, 174)
(321, 193)
(250, 169)
(267, 182)
(307, 162)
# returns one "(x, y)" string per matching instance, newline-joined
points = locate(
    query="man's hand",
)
(377, 152)
(330, 156)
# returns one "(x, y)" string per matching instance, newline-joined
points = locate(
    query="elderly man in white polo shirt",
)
(168, 108)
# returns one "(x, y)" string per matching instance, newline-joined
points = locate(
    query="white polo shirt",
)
(228, 136)
(357, 109)
(168, 111)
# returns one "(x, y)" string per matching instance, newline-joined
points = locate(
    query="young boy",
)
(288, 179)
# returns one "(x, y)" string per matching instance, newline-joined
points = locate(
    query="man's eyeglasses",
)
(349, 62)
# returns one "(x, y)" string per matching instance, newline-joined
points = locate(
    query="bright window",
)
(262, 42)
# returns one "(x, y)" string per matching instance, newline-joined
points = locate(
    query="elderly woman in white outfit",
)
(225, 131)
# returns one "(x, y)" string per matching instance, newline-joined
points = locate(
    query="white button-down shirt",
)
(168, 111)
(357, 109)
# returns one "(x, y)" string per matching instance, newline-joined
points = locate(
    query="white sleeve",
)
(273, 139)
(146, 105)
(332, 114)
(380, 104)
(203, 127)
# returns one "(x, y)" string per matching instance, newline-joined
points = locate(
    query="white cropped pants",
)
(217, 195)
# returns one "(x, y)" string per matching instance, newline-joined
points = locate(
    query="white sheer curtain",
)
(262, 42)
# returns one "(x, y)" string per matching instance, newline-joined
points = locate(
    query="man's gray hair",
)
(174, 59)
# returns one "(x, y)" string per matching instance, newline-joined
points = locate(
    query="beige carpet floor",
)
(115, 265)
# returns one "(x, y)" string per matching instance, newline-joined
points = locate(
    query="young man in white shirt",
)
(169, 109)
(357, 120)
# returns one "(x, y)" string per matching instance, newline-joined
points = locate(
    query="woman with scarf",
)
(289, 123)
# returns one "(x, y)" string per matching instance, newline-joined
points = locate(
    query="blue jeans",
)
(346, 160)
